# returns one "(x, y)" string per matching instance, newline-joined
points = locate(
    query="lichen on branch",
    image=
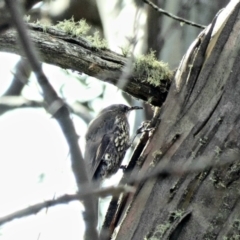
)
(82, 29)
(154, 70)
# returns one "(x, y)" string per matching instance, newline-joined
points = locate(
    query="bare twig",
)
(200, 164)
(34, 209)
(20, 78)
(37, 208)
(128, 68)
(8, 103)
(60, 111)
(160, 10)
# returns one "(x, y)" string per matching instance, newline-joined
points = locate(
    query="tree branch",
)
(58, 48)
(34, 209)
(160, 10)
(9, 103)
(60, 111)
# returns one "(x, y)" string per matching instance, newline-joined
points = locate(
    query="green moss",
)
(73, 28)
(45, 27)
(81, 29)
(177, 214)
(203, 140)
(26, 18)
(213, 179)
(151, 238)
(150, 99)
(234, 237)
(97, 41)
(236, 224)
(193, 155)
(159, 231)
(156, 157)
(126, 50)
(157, 153)
(162, 228)
(217, 150)
(38, 22)
(154, 70)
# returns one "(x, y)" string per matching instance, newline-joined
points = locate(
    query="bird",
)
(107, 140)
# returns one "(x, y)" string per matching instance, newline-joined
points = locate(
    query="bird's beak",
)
(134, 108)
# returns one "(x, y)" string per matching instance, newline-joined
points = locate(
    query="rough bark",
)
(199, 123)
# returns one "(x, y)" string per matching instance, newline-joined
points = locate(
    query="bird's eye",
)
(125, 108)
(107, 156)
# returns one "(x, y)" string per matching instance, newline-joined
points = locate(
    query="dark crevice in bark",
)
(204, 123)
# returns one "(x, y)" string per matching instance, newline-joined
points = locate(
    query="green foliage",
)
(154, 70)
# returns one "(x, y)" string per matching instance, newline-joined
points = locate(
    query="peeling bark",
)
(199, 123)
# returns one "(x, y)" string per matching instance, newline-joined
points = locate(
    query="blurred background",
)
(34, 159)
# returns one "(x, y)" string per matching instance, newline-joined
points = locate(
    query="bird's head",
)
(120, 108)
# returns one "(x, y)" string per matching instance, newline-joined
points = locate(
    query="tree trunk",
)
(199, 124)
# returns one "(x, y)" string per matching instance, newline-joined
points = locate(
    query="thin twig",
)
(8, 103)
(160, 10)
(128, 67)
(200, 164)
(60, 111)
(21, 75)
(36, 208)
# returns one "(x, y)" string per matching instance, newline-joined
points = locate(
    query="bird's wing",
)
(100, 126)
(97, 136)
(89, 156)
(101, 150)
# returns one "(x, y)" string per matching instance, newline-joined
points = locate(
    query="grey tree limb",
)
(60, 49)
